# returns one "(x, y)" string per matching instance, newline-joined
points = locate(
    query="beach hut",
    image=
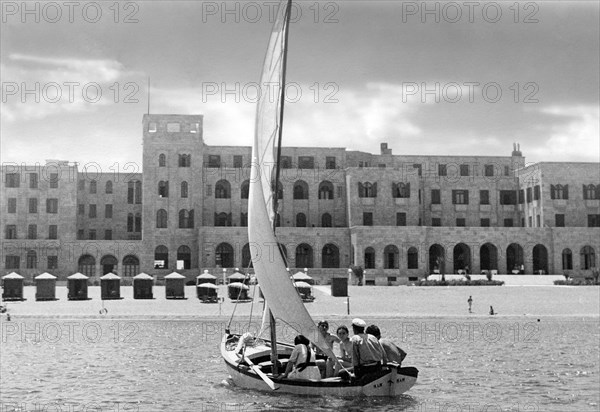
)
(305, 291)
(238, 291)
(206, 278)
(13, 287)
(238, 277)
(78, 287)
(175, 286)
(207, 292)
(303, 277)
(142, 286)
(45, 287)
(339, 286)
(110, 286)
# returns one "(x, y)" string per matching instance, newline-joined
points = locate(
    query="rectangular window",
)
(594, 220)
(53, 180)
(435, 197)
(340, 191)
(12, 262)
(521, 196)
(138, 222)
(367, 219)
(536, 192)
(559, 220)
(419, 169)
(506, 171)
(10, 232)
(33, 205)
(108, 234)
(330, 162)
(81, 185)
(485, 222)
(460, 197)
(436, 221)
(81, 209)
(382, 165)
(530, 221)
(92, 234)
(508, 197)
(214, 161)
(208, 190)
(32, 232)
(33, 180)
(51, 205)
(13, 180)
(92, 211)
(484, 197)
(52, 262)
(464, 170)
(488, 170)
(286, 162)
(93, 187)
(508, 223)
(306, 162)
(108, 211)
(244, 219)
(237, 161)
(461, 222)
(401, 219)
(529, 195)
(53, 232)
(12, 205)
(537, 220)
(80, 234)
(442, 170)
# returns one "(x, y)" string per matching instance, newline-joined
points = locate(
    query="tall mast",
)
(277, 170)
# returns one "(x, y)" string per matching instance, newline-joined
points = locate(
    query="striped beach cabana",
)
(142, 286)
(45, 287)
(238, 291)
(77, 284)
(110, 286)
(206, 278)
(207, 292)
(13, 287)
(175, 286)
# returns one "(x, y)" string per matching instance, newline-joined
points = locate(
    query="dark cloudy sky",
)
(425, 81)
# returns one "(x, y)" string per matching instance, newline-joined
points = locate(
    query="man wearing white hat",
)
(368, 355)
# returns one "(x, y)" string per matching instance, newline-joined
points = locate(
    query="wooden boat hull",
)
(393, 381)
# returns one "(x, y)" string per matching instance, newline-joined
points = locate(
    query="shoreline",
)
(382, 302)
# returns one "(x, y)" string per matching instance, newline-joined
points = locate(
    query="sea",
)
(466, 363)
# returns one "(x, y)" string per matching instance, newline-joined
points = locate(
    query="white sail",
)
(280, 294)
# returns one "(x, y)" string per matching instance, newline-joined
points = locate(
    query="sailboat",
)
(254, 362)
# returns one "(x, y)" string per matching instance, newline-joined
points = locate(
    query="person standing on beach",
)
(470, 302)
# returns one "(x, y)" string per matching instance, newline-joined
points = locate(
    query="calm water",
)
(466, 364)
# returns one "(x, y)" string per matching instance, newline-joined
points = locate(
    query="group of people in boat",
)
(364, 353)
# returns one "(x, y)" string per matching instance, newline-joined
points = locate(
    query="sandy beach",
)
(520, 296)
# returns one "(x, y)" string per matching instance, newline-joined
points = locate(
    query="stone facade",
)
(399, 217)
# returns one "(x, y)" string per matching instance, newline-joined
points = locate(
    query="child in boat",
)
(301, 364)
(345, 358)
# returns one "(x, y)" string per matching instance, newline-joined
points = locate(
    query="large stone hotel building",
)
(399, 217)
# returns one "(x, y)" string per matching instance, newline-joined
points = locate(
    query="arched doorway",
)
(87, 265)
(461, 256)
(184, 257)
(304, 256)
(224, 255)
(391, 256)
(540, 259)
(488, 257)
(108, 263)
(330, 256)
(437, 258)
(514, 258)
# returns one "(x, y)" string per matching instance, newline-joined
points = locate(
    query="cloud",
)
(314, 116)
(35, 87)
(573, 134)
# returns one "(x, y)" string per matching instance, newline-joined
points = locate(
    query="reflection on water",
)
(502, 364)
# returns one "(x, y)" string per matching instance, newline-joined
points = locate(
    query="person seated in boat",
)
(392, 352)
(345, 358)
(368, 356)
(301, 364)
(323, 326)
